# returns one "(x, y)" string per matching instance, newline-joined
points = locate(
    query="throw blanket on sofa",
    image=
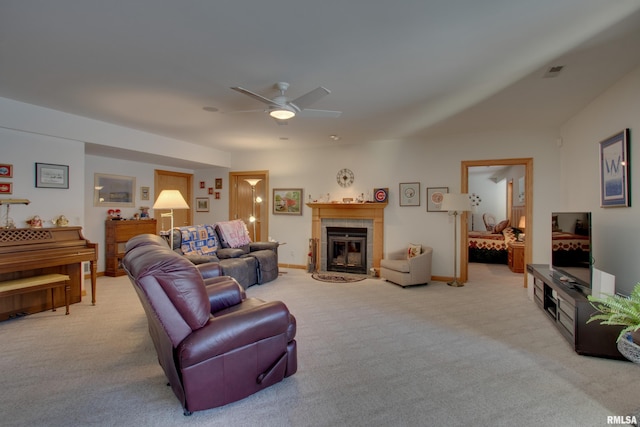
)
(199, 240)
(233, 233)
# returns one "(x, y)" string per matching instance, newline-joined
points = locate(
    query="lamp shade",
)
(253, 181)
(455, 202)
(522, 223)
(170, 199)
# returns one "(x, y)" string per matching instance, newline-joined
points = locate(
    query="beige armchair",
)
(401, 270)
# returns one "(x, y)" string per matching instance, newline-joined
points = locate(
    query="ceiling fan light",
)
(282, 114)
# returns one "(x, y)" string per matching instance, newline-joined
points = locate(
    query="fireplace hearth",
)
(347, 249)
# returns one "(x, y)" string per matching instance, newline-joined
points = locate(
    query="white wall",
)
(218, 208)
(44, 121)
(433, 163)
(23, 151)
(493, 197)
(615, 230)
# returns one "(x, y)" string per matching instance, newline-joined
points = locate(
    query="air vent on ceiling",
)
(553, 71)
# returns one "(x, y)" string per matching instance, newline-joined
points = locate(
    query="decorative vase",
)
(629, 349)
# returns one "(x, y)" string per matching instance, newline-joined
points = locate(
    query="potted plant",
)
(622, 311)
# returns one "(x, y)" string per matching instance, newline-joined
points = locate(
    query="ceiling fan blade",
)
(261, 110)
(254, 95)
(309, 98)
(308, 112)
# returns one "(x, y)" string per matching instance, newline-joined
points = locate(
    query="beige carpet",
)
(370, 354)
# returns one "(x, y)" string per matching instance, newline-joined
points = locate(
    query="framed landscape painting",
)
(287, 201)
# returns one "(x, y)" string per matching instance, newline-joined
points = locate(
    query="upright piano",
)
(27, 252)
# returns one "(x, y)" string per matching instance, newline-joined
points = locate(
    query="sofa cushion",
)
(199, 240)
(233, 234)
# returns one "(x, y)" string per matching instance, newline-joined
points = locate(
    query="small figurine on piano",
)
(34, 222)
(60, 221)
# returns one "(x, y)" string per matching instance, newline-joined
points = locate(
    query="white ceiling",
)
(396, 69)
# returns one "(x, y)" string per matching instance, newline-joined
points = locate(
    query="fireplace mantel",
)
(372, 211)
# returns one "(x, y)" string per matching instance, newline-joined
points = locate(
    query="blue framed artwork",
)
(614, 171)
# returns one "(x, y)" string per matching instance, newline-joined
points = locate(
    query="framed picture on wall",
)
(144, 193)
(6, 187)
(434, 198)
(202, 204)
(287, 201)
(614, 171)
(52, 176)
(6, 170)
(114, 190)
(410, 194)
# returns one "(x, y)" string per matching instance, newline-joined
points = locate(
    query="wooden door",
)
(243, 202)
(168, 180)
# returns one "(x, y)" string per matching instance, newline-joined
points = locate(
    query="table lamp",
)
(170, 199)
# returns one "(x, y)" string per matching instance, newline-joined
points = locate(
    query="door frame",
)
(233, 198)
(527, 162)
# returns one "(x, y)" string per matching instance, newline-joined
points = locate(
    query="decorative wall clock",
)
(345, 177)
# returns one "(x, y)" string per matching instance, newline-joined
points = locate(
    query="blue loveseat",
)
(250, 263)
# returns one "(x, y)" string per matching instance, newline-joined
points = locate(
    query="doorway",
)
(245, 203)
(528, 212)
(168, 180)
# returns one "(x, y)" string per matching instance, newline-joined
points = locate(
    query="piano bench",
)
(37, 283)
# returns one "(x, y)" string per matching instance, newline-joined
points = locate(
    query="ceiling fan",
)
(282, 108)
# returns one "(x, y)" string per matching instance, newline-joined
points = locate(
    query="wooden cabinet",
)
(569, 311)
(515, 256)
(117, 233)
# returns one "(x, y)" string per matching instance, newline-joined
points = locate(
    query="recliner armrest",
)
(223, 292)
(209, 269)
(234, 330)
(260, 246)
(226, 253)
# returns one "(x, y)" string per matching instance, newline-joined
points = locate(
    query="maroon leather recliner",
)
(215, 345)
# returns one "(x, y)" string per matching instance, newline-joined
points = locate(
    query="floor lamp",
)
(455, 204)
(252, 219)
(170, 199)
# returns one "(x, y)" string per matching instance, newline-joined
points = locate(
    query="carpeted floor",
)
(369, 354)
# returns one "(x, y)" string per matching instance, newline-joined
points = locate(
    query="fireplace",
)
(356, 215)
(347, 249)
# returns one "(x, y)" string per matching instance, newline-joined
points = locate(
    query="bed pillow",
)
(414, 250)
(499, 228)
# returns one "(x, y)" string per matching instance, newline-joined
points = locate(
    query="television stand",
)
(569, 309)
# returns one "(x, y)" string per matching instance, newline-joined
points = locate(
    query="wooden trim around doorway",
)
(464, 188)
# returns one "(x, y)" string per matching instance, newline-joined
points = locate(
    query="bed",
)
(570, 249)
(490, 247)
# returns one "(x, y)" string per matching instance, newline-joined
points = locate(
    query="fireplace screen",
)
(347, 249)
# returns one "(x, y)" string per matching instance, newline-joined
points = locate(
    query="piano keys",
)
(27, 252)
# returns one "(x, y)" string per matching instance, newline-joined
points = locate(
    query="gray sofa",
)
(250, 264)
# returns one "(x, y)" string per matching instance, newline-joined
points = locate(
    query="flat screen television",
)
(571, 258)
